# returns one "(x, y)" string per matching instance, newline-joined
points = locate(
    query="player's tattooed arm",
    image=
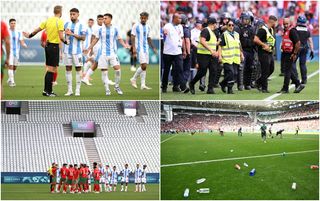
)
(123, 43)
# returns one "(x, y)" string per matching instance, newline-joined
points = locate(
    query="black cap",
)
(211, 20)
(198, 22)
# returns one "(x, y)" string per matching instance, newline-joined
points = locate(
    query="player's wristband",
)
(65, 42)
(31, 35)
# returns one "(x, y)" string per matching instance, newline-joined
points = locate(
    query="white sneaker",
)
(77, 93)
(133, 69)
(133, 83)
(54, 83)
(108, 93)
(144, 87)
(121, 190)
(69, 93)
(118, 90)
(12, 84)
(110, 82)
(86, 82)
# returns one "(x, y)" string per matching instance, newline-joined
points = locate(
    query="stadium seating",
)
(30, 14)
(32, 145)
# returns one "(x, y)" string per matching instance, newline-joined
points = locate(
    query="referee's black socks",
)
(48, 79)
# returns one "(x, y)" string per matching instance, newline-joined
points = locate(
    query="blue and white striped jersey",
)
(89, 32)
(137, 173)
(75, 45)
(15, 38)
(108, 37)
(142, 33)
(125, 172)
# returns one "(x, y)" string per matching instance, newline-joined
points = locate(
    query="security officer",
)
(266, 42)
(207, 56)
(186, 52)
(230, 55)
(246, 39)
(306, 42)
(290, 45)
(224, 19)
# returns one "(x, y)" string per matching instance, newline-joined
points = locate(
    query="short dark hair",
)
(99, 16)
(144, 14)
(75, 10)
(90, 19)
(12, 20)
(108, 14)
(272, 17)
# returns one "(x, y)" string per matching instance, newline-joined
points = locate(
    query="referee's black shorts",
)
(52, 54)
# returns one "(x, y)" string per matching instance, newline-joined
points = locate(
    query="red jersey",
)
(76, 174)
(70, 173)
(63, 172)
(54, 172)
(96, 174)
(4, 33)
(84, 172)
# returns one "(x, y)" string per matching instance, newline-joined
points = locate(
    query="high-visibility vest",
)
(212, 43)
(286, 44)
(270, 39)
(231, 51)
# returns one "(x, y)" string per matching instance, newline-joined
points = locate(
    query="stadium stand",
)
(32, 144)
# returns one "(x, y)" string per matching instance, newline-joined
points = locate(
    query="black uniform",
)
(266, 61)
(247, 44)
(133, 60)
(303, 34)
(286, 63)
(187, 60)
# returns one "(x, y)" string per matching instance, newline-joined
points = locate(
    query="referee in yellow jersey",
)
(54, 27)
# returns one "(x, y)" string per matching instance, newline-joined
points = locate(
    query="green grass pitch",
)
(311, 92)
(41, 192)
(274, 174)
(30, 83)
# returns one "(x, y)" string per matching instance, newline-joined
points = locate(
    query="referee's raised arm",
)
(54, 27)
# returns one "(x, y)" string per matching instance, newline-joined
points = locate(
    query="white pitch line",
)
(291, 86)
(169, 138)
(237, 158)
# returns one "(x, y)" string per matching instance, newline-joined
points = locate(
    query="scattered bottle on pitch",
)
(203, 190)
(252, 172)
(186, 193)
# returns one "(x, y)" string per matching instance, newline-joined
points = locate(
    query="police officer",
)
(207, 56)
(224, 19)
(230, 55)
(290, 45)
(306, 43)
(186, 52)
(266, 41)
(246, 39)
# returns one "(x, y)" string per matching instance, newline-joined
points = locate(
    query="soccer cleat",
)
(121, 190)
(12, 84)
(144, 87)
(54, 83)
(118, 90)
(77, 93)
(110, 82)
(86, 82)
(133, 69)
(299, 88)
(133, 83)
(69, 93)
(64, 192)
(108, 93)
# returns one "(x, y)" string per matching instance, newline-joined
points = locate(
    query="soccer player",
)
(16, 39)
(279, 132)
(75, 33)
(96, 177)
(58, 177)
(70, 174)
(270, 130)
(240, 131)
(144, 178)
(75, 180)
(49, 172)
(54, 177)
(263, 129)
(297, 130)
(125, 177)
(137, 178)
(54, 28)
(114, 178)
(87, 41)
(63, 178)
(102, 181)
(108, 179)
(140, 36)
(88, 181)
(108, 34)
(83, 178)
(133, 60)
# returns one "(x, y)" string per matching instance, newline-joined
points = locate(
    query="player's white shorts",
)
(102, 180)
(95, 51)
(108, 180)
(58, 180)
(13, 61)
(89, 180)
(113, 182)
(125, 179)
(137, 180)
(143, 180)
(104, 61)
(143, 57)
(70, 59)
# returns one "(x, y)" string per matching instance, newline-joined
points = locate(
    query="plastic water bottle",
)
(294, 186)
(245, 164)
(203, 190)
(186, 193)
(253, 172)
